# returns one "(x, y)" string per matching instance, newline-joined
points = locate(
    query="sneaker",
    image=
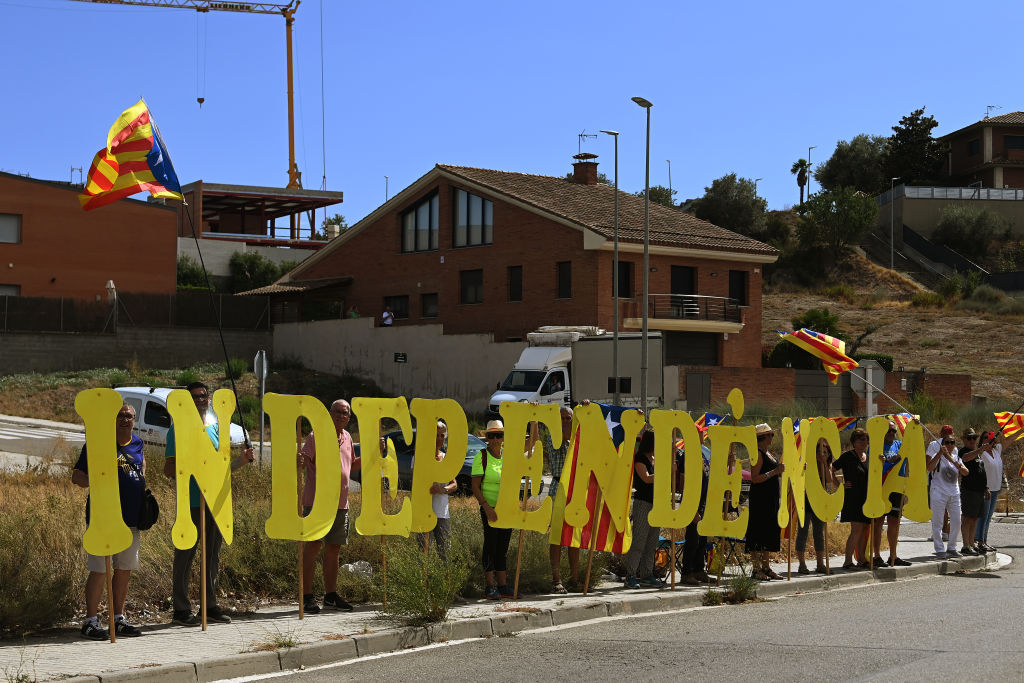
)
(309, 605)
(953, 553)
(185, 619)
(652, 581)
(689, 580)
(334, 601)
(218, 616)
(506, 591)
(123, 628)
(491, 593)
(92, 630)
(968, 550)
(898, 562)
(631, 582)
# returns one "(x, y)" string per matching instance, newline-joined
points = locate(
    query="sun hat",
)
(969, 432)
(762, 429)
(494, 426)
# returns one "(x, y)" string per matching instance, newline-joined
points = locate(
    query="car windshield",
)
(523, 380)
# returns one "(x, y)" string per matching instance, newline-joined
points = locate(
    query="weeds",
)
(276, 640)
(741, 589)
(421, 588)
(928, 300)
(713, 598)
(236, 367)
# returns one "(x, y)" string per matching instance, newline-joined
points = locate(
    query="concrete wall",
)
(152, 347)
(464, 367)
(923, 215)
(217, 253)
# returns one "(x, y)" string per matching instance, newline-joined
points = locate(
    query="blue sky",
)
(742, 87)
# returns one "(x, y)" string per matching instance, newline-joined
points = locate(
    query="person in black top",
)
(854, 466)
(763, 525)
(694, 548)
(973, 490)
(640, 558)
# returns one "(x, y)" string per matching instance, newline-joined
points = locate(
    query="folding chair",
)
(664, 550)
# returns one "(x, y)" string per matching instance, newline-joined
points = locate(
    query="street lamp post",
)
(756, 180)
(647, 256)
(892, 223)
(809, 170)
(615, 271)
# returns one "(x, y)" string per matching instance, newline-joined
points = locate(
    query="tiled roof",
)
(593, 207)
(1014, 118)
(297, 287)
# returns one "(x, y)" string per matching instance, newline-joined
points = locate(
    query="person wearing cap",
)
(930, 452)
(890, 456)
(854, 466)
(944, 492)
(486, 480)
(973, 490)
(763, 531)
(991, 445)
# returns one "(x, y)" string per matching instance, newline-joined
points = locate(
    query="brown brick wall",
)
(763, 385)
(955, 389)
(374, 259)
(65, 251)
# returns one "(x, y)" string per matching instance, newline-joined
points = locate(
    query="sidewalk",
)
(275, 639)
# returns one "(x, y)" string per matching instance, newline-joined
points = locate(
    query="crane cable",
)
(323, 114)
(200, 60)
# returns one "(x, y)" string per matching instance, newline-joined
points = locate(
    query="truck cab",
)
(540, 376)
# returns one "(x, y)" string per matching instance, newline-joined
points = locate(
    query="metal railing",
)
(994, 193)
(689, 307)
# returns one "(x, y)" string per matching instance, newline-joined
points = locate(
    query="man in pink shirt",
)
(341, 413)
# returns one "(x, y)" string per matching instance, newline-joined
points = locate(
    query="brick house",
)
(50, 247)
(990, 151)
(482, 250)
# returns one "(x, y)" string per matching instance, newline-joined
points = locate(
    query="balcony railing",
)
(688, 307)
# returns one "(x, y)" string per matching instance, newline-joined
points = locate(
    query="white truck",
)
(568, 364)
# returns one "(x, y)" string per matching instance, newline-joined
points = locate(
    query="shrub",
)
(420, 588)
(883, 359)
(236, 367)
(818, 319)
(741, 589)
(930, 408)
(186, 377)
(927, 300)
(843, 291)
(950, 289)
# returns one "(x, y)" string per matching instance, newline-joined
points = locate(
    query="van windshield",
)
(523, 380)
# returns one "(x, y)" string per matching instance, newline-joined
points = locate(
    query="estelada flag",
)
(829, 350)
(134, 160)
(901, 420)
(608, 538)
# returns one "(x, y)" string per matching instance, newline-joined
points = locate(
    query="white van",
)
(152, 419)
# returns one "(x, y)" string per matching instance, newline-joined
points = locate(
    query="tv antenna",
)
(989, 108)
(582, 136)
(71, 180)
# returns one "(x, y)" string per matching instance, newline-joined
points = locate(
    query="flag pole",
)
(522, 533)
(202, 558)
(595, 520)
(110, 601)
(821, 477)
(298, 482)
(789, 540)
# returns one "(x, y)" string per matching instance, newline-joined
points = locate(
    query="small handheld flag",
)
(829, 350)
(134, 160)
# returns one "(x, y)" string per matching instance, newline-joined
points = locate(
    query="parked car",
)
(152, 419)
(405, 452)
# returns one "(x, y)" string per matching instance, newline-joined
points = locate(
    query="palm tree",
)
(800, 168)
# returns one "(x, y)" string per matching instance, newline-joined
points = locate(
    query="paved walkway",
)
(275, 639)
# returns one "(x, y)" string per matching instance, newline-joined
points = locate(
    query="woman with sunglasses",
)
(486, 479)
(973, 491)
(944, 492)
(854, 466)
(992, 456)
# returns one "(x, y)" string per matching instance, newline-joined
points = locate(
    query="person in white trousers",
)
(946, 468)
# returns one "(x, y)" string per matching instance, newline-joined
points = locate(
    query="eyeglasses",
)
(201, 397)
(125, 416)
(948, 443)
(891, 431)
(496, 436)
(971, 438)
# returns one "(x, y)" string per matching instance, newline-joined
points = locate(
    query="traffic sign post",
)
(259, 367)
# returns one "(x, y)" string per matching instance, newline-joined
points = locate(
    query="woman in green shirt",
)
(486, 480)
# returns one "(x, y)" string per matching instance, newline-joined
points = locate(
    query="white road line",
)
(24, 435)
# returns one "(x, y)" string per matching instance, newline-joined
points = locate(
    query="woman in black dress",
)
(763, 530)
(854, 466)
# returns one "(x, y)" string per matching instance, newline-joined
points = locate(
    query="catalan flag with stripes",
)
(609, 539)
(1012, 424)
(134, 160)
(843, 423)
(901, 420)
(829, 350)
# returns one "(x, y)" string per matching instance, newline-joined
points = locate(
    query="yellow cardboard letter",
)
(284, 521)
(376, 466)
(824, 504)
(792, 478)
(516, 464)
(427, 468)
(107, 533)
(663, 513)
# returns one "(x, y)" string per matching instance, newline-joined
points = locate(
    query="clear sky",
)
(742, 87)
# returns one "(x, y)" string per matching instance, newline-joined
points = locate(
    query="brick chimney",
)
(584, 170)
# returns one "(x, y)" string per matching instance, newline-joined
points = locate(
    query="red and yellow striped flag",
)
(1011, 424)
(829, 350)
(134, 160)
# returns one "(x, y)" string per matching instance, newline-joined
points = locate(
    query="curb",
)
(507, 623)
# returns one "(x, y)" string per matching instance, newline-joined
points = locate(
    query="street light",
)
(647, 257)
(892, 223)
(615, 270)
(756, 180)
(809, 170)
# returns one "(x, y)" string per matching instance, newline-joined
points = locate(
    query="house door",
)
(684, 285)
(698, 391)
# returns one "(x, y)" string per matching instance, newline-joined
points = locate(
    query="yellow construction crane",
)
(286, 10)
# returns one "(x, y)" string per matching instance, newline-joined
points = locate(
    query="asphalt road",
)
(22, 444)
(942, 627)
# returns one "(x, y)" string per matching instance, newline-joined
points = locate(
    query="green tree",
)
(336, 221)
(857, 163)
(834, 220)
(250, 270)
(732, 202)
(661, 195)
(912, 154)
(820, 320)
(799, 169)
(973, 232)
(190, 274)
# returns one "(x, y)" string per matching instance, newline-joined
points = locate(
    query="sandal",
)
(759, 575)
(803, 569)
(851, 566)
(558, 589)
(772, 575)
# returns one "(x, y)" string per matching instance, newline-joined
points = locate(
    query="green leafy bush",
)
(236, 367)
(186, 377)
(421, 587)
(927, 300)
(884, 360)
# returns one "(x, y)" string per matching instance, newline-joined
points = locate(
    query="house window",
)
(10, 228)
(684, 280)
(515, 283)
(625, 280)
(399, 305)
(473, 218)
(738, 286)
(419, 226)
(471, 287)
(973, 148)
(10, 290)
(428, 305)
(1013, 141)
(564, 277)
